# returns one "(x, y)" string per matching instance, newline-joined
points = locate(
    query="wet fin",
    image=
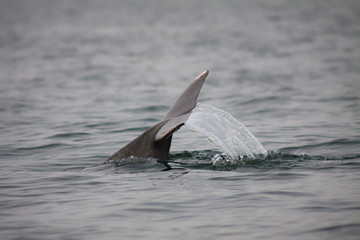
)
(187, 100)
(171, 126)
(156, 141)
(180, 111)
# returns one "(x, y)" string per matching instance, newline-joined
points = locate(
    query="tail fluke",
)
(187, 100)
(180, 111)
(156, 141)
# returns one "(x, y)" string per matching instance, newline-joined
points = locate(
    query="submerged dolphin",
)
(155, 142)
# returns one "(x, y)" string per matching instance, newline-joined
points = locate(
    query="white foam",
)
(221, 128)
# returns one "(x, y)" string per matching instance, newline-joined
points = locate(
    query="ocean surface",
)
(80, 79)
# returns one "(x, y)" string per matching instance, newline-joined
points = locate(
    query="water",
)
(219, 127)
(80, 79)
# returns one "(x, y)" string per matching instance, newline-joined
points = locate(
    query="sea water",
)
(80, 79)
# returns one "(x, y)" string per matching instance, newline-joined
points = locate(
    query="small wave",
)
(195, 159)
(135, 164)
(215, 160)
(341, 147)
(69, 135)
(45, 146)
(351, 229)
(212, 160)
(336, 142)
(262, 99)
(152, 108)
(100, 124)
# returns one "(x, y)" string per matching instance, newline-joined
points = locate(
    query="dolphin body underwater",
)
(156, 141)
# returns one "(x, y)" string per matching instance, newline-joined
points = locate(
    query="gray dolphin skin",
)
(156, 141)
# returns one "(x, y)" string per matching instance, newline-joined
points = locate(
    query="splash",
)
(221, 128)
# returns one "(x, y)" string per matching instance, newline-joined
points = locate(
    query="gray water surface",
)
(80, 79)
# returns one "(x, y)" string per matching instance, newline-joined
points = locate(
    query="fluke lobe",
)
(155, 142)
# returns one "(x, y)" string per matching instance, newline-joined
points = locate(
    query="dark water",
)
(79, 79)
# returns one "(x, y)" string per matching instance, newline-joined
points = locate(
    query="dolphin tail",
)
(187, 100)
(156, 141)
(180, 111)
